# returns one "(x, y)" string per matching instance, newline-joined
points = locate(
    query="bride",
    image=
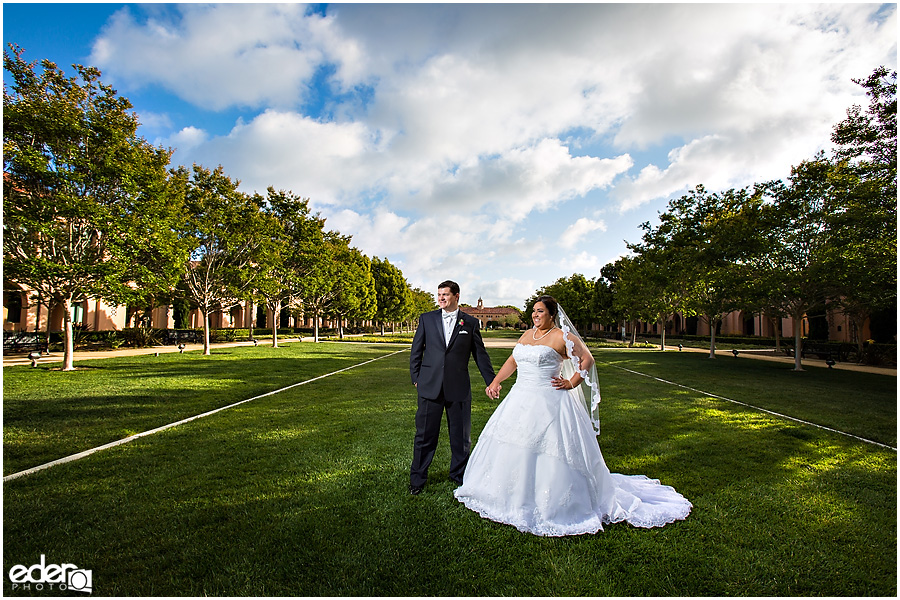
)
(537, 465)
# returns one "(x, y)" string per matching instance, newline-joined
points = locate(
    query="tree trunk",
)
(206, 351)
(662, 339)
(712, 336)
(858, 322)
(633, 333)
(37, 320)
(316, 326)
(49, 314)
(275, 312)
(798, 343)
(69, 337)
(250, 311)
(340, 326)
(776, 324)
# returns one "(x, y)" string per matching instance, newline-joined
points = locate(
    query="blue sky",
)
(503, 146)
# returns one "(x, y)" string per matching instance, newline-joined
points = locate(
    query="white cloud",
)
(482, 128)
(217, 55)
(186, 139)
(154, 121)
(520, 180)
(573, 235)
(583, 262)
(323, 161)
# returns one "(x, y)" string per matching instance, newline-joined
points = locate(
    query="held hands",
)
(561, 383)
(493, 391)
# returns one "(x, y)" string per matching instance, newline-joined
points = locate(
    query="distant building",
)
(490, 315)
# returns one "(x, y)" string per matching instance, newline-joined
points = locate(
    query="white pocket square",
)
(463, 332)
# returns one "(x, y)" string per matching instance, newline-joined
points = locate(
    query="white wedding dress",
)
(537, 465)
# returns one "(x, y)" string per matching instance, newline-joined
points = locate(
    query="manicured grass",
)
(50, 415)
(509, 334)
(863, 404)
(303, 493)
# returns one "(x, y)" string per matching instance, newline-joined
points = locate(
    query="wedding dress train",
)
(537, 465)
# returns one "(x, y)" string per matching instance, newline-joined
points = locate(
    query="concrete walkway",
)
(22, 359)
(770, 355)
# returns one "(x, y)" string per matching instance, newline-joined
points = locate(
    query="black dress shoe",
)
(415, 491)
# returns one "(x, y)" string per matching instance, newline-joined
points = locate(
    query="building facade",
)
(22, 312)
(490, 316)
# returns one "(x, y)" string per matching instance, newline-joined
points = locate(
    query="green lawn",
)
(303, 493)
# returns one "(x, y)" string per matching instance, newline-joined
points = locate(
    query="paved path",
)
(770, 355)
(22, 359)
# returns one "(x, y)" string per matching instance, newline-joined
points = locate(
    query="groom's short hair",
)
(454, 287)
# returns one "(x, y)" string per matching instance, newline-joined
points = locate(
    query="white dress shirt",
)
(449, 321)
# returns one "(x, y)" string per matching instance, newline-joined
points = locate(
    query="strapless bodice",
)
(536, 365)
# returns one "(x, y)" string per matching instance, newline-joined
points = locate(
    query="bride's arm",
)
(584, 355)
(508, 368)
(586, 361)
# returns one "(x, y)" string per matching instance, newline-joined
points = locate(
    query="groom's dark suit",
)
(441, 373)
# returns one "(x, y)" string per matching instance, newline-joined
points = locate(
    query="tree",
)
(88, 210)
(870, 138)
(512, 319)
(422, 302)
(392, 293)
(710, 237)
(635, 294)
(574, 294)
(862, 218)
(228, 234)
(355, 286)
(760, 291)
(293, 253)
(610, 274)
(601, 303)
(321, 286)
(794, 226)
(667, 256)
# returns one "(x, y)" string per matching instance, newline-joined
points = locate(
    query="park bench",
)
(15, 342)
(173, 337)
(823, 350)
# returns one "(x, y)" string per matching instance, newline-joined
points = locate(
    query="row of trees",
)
(91, 210)
(826, 237)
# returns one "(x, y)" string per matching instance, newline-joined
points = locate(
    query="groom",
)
(439, 367)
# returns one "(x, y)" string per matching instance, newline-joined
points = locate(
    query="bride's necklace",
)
(533, 333)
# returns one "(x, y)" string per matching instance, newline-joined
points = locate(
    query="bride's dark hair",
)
(551, 304)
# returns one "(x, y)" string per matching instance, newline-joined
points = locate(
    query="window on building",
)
(78, 313)
(13, 303)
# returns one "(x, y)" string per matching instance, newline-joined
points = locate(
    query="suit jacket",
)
(434, 365)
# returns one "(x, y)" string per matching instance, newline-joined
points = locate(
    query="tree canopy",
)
(88, 209)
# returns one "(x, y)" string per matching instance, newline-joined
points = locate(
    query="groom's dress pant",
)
(429, 415)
